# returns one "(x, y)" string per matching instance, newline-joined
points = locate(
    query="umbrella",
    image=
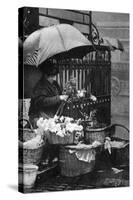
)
(113, 43)
(48, 42)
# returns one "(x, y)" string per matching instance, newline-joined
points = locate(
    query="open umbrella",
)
(47, 42)
(113, 43)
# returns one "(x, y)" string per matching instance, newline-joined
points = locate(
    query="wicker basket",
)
(55, 139)
(121, 156)
(30, 156)
(70, 165)
(95, 134)
(26, 134)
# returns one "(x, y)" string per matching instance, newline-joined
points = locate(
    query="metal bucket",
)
(27, 175)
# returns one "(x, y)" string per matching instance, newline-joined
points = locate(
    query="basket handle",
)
(113, 126)
(48, 169)
(60, 109)
(23, 119)
(120, 125)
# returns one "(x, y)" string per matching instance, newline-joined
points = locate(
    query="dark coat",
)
(45, 99)
(44, 103)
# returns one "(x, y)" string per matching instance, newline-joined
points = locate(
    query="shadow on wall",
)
(120, 105)
(31, 76)
(120, 114)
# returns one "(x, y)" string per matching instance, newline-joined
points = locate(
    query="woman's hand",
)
(93, 98)
(63, 97)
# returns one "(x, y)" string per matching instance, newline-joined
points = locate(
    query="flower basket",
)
(26, 134)
(30, 156)
(61, 130)
(55, 139)
(71, 166)
(71, 138)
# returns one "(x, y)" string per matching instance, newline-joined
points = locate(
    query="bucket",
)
(96, 134)
(27, 175)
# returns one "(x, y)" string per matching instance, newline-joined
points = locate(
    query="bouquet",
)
(61, 127)
(70, 88)
(35, 142)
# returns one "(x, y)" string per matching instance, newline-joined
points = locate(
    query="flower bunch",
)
(34, 143)
(61, 126)
(70, 87)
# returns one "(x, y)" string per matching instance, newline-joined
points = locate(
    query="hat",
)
(49, 68)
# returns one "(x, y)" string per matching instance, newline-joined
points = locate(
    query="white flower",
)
(68, 120)
(58, 127)
(33, 143)
(93, 98)
(61, 118)
(78, 127)
(60, 133)
(40, 122)
(69, 127)
(39, 131)
(56, 117)
(74, 127)
(64, 131)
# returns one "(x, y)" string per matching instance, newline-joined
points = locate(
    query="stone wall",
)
(48, 17)
(117, 25)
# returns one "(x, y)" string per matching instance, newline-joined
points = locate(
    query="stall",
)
(81, 128)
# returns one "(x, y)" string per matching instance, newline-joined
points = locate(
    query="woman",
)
(46, 96)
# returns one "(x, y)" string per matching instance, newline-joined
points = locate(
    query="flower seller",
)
(46, 96)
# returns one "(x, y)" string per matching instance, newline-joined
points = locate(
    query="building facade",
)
(116, 25)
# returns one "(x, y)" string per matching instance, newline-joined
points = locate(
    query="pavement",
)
(109, 171)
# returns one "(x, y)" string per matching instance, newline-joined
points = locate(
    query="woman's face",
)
(52, 78)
